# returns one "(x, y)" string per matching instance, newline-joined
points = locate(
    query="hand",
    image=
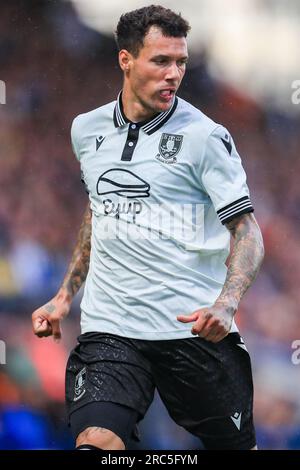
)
(212, 324)
(46, 319)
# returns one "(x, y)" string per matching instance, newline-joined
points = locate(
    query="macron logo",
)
(236, 418)
(227, 143)
(99, 141)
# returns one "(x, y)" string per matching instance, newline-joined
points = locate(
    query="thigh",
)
(91, 422)
(207, 388)
(107, 368)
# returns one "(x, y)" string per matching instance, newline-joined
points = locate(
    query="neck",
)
(134, 110)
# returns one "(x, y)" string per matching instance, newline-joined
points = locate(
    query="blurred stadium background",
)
(58, 59)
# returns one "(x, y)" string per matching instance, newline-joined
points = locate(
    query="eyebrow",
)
(162, 56)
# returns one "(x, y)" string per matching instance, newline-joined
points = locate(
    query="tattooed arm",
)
(245, 261)
(214, 323)
(80, 261)
(46, 319)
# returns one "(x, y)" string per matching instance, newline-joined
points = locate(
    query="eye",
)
(160, 61)
(182, 62)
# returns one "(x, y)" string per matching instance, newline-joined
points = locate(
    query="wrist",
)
(229, 304)
(63, 295)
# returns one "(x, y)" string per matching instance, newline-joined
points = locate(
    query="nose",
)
(173, 72)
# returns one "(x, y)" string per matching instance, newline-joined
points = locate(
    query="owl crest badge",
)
(169, 146)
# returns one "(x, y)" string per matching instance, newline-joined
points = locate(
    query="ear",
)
(125, 60)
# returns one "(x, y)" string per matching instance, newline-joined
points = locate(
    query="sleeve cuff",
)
(235, 209)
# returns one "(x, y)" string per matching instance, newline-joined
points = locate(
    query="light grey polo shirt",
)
(160, 193)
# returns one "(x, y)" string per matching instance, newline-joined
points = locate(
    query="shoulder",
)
(195, 120)
(93, 122)
(204, 129)
(85, 121)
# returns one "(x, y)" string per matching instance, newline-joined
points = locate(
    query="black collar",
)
(149, 126)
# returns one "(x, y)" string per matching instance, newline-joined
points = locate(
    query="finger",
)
(44, 334)
(213, 335)
(188, 318)
(56, 329)
(216, 334)
(37, 324)
(211, 329)
(40, 324)
(43, 329)
(199, 325)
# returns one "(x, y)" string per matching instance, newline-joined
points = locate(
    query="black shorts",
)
(206, 387)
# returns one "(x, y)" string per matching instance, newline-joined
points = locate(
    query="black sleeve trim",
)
(235, 209)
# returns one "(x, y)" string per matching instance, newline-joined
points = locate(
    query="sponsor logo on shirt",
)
(124, 183)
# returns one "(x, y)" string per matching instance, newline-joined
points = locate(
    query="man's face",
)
(156, 73)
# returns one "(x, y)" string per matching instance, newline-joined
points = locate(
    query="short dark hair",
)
(134, 25)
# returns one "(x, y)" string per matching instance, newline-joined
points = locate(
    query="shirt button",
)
(133, 126)
(130, 144)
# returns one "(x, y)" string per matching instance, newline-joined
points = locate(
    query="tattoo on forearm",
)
(50, 308)
(246, 258)
(80, 261)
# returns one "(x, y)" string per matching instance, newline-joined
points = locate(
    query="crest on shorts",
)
(169, 146)
(79, 384)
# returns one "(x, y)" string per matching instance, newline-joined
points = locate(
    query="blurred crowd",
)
(55, 68)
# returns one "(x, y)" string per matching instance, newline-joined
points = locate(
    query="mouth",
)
(167, 94)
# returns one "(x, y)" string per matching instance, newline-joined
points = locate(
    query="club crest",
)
(169, 146)
(79, 388)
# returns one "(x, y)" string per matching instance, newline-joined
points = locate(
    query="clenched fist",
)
(46, 319)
